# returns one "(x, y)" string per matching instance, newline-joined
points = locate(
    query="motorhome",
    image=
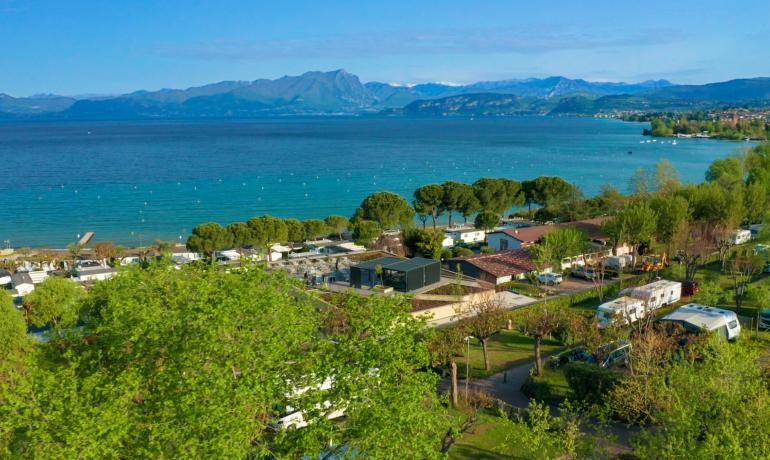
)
(695, 317)
(656, 294)
(621, 311)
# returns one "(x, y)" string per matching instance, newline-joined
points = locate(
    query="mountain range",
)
(342, 93)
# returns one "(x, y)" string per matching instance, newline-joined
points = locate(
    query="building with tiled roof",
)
(496, 268)
(514, 238)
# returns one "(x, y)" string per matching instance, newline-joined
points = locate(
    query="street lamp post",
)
(467, 365)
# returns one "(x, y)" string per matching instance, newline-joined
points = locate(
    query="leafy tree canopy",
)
(387, 209)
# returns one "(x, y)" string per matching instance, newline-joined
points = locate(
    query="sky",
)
(110, 47)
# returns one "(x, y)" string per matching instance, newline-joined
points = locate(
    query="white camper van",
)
(695, 317)
(621, 311)
(656, 294)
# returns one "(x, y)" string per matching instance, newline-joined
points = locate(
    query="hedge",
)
(590, 383)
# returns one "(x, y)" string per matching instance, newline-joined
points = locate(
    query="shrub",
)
(480, 399)
(590, 383)
(537, 389)
(446, 254)
(487, 250)
(462, 252)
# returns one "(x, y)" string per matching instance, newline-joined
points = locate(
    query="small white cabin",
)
(695, 317)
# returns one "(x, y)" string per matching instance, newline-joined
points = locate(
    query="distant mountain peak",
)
(338, 91)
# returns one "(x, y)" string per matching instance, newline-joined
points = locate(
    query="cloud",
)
(522, 40)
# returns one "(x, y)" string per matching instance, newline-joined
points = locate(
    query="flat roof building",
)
(401, 274)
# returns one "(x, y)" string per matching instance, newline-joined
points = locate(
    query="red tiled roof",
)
(528, 235)
(503, 263)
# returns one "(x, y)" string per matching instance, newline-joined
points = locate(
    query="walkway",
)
(506, 386)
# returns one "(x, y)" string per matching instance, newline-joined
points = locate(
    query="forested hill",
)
(342, 93)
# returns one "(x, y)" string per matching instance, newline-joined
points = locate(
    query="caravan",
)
(695, 317)
(656, 294)
(621, 311)
(636, 303)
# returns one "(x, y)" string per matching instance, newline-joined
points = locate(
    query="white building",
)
(5, 277)
(467, 235)
(93, 272)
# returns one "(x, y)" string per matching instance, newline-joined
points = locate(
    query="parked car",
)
(550, 278)
(764, 318)
(587, 273)
(609, 355)
(689, 288)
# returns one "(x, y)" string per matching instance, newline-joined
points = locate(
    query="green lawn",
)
(485, 440)
(506, 349)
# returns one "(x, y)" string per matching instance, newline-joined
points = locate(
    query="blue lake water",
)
(134, 182)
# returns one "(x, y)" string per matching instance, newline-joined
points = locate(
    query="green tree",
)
(295, 230)
(163, 247)
(550, 192)
(539, 322)
(467, 203)
(755, 202)
(365, 231)
(427, 243)
(444, 346)
(337, 224)
(486, 220)
(430, 197)
(561, 243)
(726, 171)
(635, 224)
(75, 250)
(208, 238)
(54, 302)
(497, 195)
(484, 320)
(452, 197)
(709, 293)
(315, 228)
(240, 235)
(387, 209)
(423, 211)
(711, 403)
(105, 250)
(193, 363)
(665, 178)
(639, 183)
(671, 212)
(13, 337)
(268, 230)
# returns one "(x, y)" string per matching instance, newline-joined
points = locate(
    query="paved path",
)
(506, 386)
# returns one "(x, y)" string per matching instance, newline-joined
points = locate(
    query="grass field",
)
(506, 349)
(485, 440)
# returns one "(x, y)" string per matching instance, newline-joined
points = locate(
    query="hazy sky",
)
(75, 47)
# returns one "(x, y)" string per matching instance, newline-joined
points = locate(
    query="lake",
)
(136, 181)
